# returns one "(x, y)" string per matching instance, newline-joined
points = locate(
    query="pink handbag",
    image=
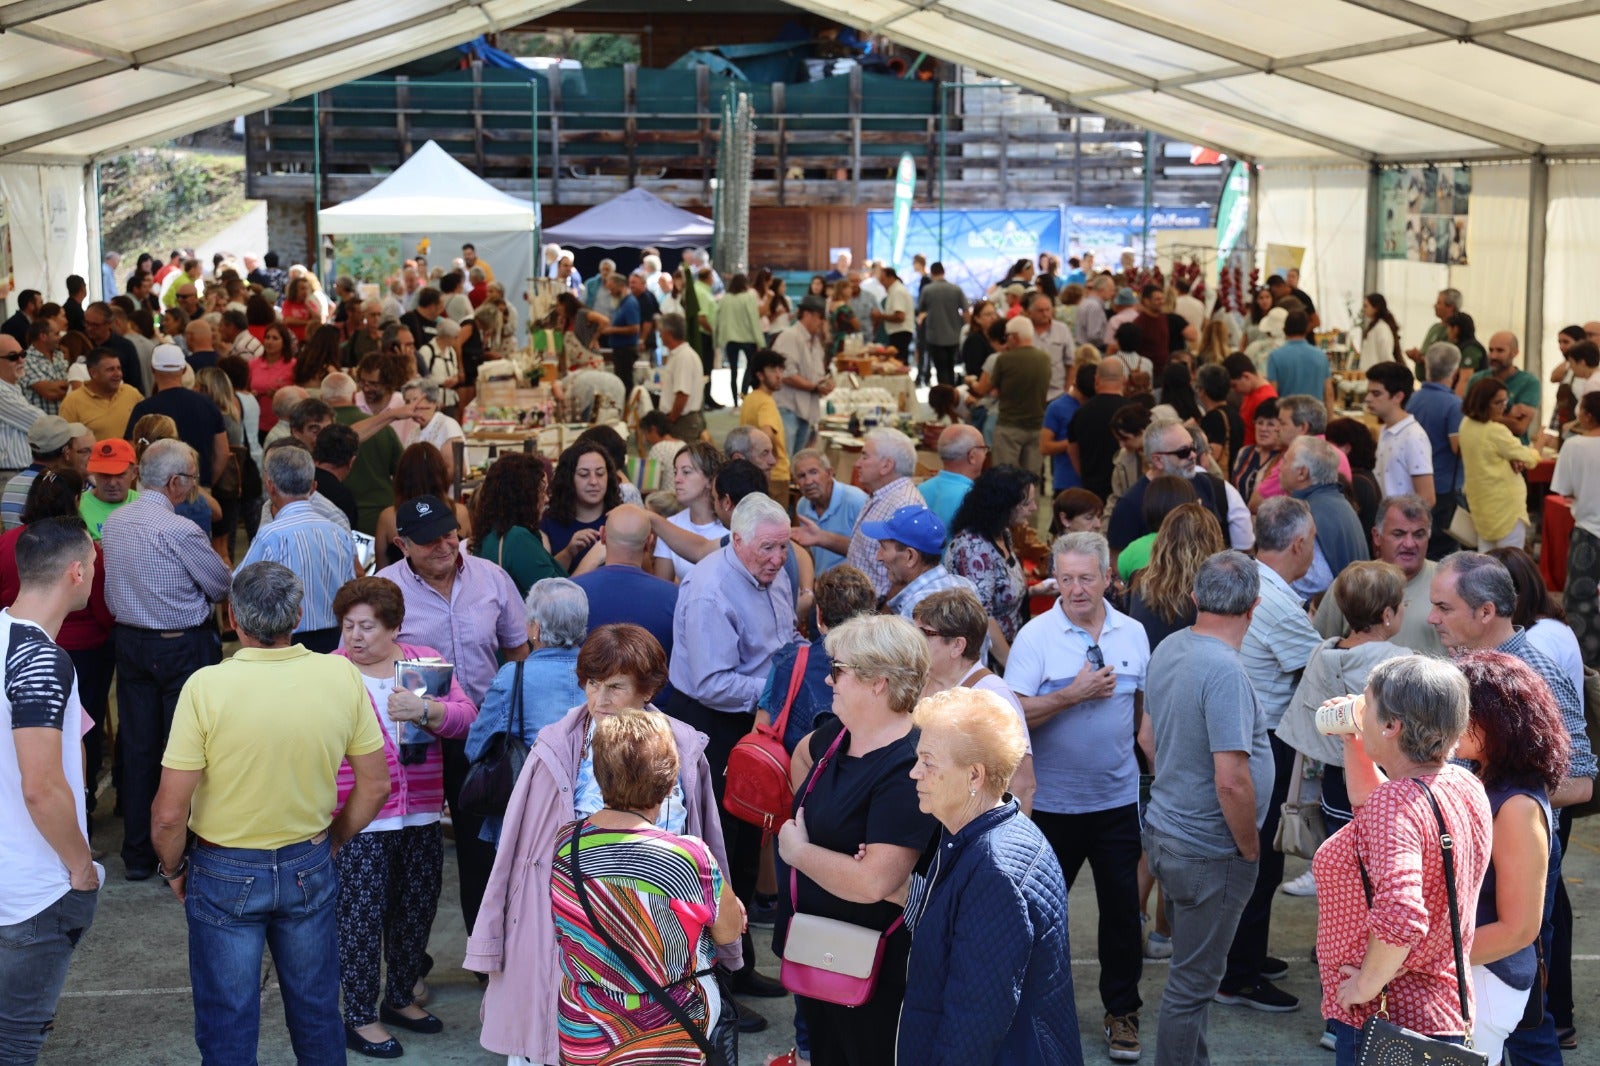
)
(824, 958)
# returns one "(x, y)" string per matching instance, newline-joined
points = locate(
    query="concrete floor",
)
(127, 1000)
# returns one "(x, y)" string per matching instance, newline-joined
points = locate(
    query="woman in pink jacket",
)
(390, 874)
(514, 940)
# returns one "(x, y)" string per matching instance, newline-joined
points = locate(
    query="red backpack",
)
(757, 788)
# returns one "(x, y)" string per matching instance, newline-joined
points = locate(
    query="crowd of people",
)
(1246, 591)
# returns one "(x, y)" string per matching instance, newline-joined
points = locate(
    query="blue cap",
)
(911, 525)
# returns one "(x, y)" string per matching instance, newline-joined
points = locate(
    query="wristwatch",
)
(183, 868)
(424, 712)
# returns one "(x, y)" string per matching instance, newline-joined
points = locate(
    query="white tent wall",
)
(1571, 295)
(1323, 211)
(1493, 283)
(52, 218)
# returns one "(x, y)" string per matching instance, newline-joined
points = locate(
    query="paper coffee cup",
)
(1339, 718)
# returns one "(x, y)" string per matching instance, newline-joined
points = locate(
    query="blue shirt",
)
(1299, 368)
(1438, 411)
(815, 696)
(629, 594)
(943, 493)
(1057, 417)
(844, 507)
(725, 631)
(321, 555)
(626, 314)
(1083, 757)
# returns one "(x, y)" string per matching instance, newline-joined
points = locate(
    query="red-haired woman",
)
(1516, 737)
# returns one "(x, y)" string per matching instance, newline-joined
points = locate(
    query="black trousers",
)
(944, 362)
(741, 383)
(901, 342)
(388, 894)
(152, 667)
(1558, 990)
(474, 857)
(323, 641)
(1249, 951)
(742, 840)
(622, 360)
(94, 667)
(864, 1035)
(1109, 842)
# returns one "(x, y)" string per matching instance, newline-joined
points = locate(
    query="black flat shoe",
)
(749, 983)
(386, 1049)
(428, 1025)
(750, 1021)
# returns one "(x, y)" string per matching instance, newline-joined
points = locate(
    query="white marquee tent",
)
(1316, 93)
(431, 188)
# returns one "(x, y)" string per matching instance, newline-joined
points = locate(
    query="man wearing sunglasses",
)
(17, 415)
(1170, 450)
(1079, 670)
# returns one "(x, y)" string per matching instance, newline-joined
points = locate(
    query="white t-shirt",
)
(379, 689)
(663, 453)
(993, 683)
(683, 373)
(1404, 452)
(713, 530)
(1577, 475)
(899, 298)
(440, 431)
(1560, 645)
(40, 691)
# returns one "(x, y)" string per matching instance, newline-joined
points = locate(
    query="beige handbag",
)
(1301, 829)
(1463, 529)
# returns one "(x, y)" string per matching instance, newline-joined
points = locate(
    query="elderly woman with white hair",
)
(990, 975)
(527, 696)
(435, 427)
(440, 358)
(858, 828)
(390, 874)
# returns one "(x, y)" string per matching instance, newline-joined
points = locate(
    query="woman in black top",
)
(1161, 598)
(858, 830)
(1355, 440)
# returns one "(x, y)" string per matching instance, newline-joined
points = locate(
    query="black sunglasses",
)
(15, 357)
(1097, 658)
(1181, 453)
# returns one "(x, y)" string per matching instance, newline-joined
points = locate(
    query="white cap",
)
(168, 358)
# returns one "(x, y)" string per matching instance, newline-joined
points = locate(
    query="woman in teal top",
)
(505, 515)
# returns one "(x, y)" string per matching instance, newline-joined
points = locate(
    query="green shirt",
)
(371, 479)
(1021, 379)
(95, 511)
(521, 554)
(1135, 557)
(1521, 387)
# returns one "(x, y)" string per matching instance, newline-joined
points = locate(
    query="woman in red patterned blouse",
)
(1412, 714)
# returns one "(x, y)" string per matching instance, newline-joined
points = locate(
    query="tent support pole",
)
(316, 182)
(944, 126)
(1253, 225)
(537, 234)
(96, 236)
(1533, 311)
(1369, 269)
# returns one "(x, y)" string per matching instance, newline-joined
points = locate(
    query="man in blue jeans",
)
(49, 882)
(1214, 777)
(250, 768)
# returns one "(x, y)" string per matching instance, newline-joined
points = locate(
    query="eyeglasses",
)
(191, 477)
(838, 668)
(1180, 453)
(1097, 658)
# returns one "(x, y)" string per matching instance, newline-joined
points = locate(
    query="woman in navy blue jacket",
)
(990, 977)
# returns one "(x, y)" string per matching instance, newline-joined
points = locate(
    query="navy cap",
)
(424, 519)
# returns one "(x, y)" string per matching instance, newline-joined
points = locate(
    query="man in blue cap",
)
(909, 546)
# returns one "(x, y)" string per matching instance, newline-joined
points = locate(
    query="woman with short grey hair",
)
(544, 687)
(1383, 907)
(436, 427)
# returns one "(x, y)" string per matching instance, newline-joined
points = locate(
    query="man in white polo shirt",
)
(1079, 670)
(1405, 452)
(682, 381)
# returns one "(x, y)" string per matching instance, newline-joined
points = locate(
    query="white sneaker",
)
(1157, 946)
(1304, 885)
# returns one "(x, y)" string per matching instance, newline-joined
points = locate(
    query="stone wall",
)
(289, 231)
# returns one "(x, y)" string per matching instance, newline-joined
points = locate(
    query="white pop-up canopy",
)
(431, 191)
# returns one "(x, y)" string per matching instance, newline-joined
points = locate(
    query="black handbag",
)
(721, 1045)
(486, 790)
(1384, 1043)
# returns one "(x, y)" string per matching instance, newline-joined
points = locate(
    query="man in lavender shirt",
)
(467, 608)
(735, 610)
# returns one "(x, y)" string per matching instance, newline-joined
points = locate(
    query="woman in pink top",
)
(298, 309)
(272, 371)
(1396, 950)
(391, 873)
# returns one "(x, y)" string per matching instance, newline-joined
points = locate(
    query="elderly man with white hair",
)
(1310, 472)
(1021, 379)
(961, 457)
(735, 611)
(888, 459)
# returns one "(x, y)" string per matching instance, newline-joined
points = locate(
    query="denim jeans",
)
(33, 967)
(241, 901)
(796, 431)
(1347, 1043)
(1204, 897)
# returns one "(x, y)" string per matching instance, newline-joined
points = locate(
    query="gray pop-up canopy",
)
(633, 220)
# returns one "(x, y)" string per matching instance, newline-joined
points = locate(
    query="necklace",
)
(636, 814)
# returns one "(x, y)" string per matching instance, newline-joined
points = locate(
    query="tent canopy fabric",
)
(634, 219)
(431, 188)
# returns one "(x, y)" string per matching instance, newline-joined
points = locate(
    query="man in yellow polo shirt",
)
(760, 409)
(250, 767)
(105, 401)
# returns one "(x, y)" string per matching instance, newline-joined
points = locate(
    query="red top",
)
(265, 379)
(1247, 408)
(1397, 838)
(296, 310)
(477, 294)
(82, 630)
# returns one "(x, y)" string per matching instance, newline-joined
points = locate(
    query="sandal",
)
(788, 1058)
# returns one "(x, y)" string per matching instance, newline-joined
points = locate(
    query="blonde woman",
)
(213, 384)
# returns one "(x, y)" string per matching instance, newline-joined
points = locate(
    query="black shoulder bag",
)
(492, 777)
(634, 966)
(1384, 1043)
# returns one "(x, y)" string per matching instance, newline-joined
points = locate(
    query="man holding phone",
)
(1079, 670)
